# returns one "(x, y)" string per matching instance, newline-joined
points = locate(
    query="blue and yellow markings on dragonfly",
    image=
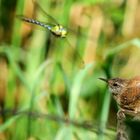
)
(57, 30)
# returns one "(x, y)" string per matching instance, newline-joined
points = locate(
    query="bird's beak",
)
(103, 79)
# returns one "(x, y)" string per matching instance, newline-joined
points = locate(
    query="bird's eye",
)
(115, 84)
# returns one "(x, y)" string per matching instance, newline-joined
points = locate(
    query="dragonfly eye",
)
(63, 33)
(56, 28)
(115, 84)
(60, 27)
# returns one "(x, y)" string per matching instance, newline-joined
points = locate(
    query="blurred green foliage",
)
(39, 74)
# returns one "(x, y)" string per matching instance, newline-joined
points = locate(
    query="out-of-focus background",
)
(46, 91)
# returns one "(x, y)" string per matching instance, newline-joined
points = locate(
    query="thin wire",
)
(84, 124)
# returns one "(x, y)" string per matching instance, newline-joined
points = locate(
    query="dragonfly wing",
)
(76, 57)
(79, 33)
(56, 22)
(44, 12)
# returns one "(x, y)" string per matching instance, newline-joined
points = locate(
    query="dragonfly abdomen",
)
(33, 21)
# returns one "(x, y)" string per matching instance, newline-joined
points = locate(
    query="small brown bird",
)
(126, 92)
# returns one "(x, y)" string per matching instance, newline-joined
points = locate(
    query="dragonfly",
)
(55, 28)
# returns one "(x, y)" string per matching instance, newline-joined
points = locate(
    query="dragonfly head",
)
(63, 31)
(59, 30)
